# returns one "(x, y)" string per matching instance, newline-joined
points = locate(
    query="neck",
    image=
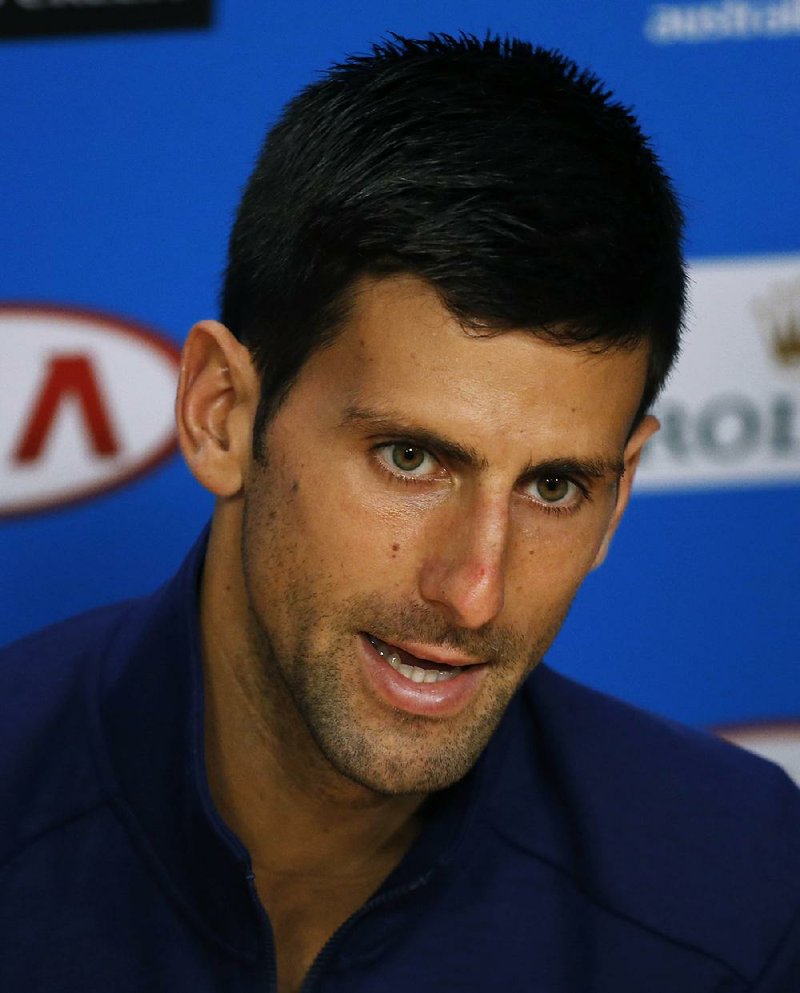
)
(272, 785)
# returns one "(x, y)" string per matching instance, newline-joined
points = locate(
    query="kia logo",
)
(86, 404)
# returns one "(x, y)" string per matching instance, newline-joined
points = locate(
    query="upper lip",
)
(430, 653)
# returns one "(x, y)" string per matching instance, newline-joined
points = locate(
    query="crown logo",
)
(786, 343)
(778, 313)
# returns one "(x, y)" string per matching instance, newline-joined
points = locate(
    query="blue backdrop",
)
(123, 156)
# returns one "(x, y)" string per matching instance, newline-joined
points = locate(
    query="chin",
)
(409, 768)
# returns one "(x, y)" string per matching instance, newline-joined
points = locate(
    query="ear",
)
(633, 451)
(217, 397)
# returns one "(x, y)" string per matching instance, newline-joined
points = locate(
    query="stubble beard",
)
(312, 698)
(307, 676)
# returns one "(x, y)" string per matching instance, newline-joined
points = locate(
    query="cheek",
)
(546, 564)
(359, 509)
(562, 546)
(279, 508)
(564, 559)
(343, 532)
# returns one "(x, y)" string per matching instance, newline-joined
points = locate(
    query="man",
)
(320, 757)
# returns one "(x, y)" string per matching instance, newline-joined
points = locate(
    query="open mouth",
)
(413, 668)
(429, 679)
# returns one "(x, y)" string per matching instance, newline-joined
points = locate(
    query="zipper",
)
(379, 900)
(314, 974)
(269, 937)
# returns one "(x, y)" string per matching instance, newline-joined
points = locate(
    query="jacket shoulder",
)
(47, 687)
(668, 826)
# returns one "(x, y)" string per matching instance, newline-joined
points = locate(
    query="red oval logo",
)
(86, 404)
(778, 741)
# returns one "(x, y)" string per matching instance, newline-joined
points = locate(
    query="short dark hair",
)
(502, 174)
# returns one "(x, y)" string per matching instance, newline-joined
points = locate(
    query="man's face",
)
(430, 503)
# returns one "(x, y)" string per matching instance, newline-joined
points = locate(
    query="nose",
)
(463, 572)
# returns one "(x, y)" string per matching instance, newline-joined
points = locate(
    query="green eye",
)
(553, 489)
(409, 462)
(407, 458)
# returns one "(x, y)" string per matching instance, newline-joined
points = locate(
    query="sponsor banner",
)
(778, 741)
(723, 20)
(730, 414)
(29, 18)
(86, 404)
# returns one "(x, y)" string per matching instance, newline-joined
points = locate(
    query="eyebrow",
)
(386, 422)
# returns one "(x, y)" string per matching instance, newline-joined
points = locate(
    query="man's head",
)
(500, 174)
(456, 285)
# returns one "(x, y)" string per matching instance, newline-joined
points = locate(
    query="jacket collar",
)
(151, 754)
(151, 724)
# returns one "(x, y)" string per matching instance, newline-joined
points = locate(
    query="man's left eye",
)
(553, 490)
(410, 460)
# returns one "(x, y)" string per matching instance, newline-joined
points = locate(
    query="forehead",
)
(401, 351)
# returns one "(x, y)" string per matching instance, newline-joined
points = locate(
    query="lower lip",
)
(427, 699)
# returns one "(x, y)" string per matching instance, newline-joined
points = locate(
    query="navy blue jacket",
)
(592, 849)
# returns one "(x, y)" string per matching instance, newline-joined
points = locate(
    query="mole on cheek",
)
(395, 550)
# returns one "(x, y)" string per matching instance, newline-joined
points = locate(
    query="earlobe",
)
(633, 453)
(215, 406)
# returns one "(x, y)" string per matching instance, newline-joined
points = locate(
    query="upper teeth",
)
(412, 672)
